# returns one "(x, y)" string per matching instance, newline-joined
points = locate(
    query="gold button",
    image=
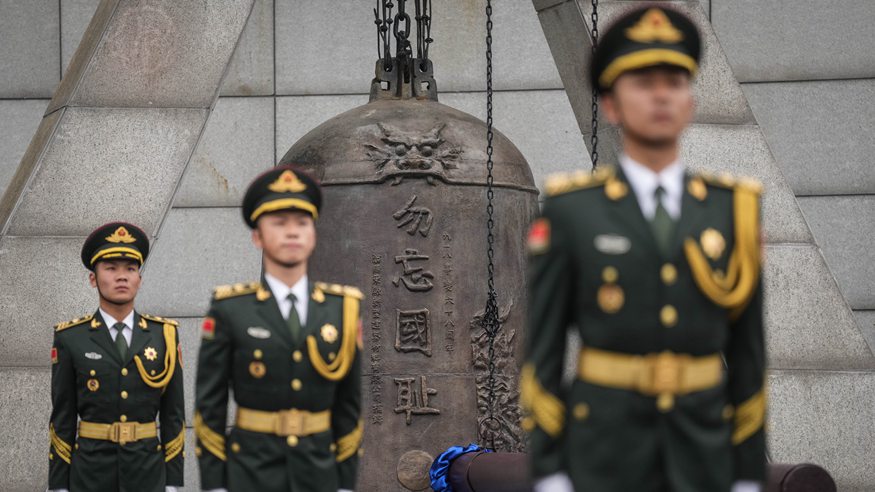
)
(235, 447)
(728, 412)
(197, 451)
(665, 402)
(581, 411)
(183, 453)
(361, 452)
(92, 372)
(124, 371)
(332, 447)
(331, 355)
(76, 446)
(158, 448)
(292, 441)
(124, 395)
(51, 456)
(296, 384)
(668, 316)
(669, 274)
(257, 354)
(610, 274)
(123, 418)
(297, 356)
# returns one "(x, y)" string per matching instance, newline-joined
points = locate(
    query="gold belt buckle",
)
(123, 432)
(290, 422)
(666, 379)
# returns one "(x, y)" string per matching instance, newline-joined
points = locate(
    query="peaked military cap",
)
(281, 188)
(645, 37)
(115, 241)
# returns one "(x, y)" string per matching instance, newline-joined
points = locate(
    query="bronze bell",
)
(404, 219)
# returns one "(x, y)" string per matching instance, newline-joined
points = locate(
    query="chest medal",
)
(713, 243)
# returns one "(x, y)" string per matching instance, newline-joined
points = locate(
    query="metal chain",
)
(594, 139)
(491, 323)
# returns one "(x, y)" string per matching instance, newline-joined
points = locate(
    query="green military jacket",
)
(91, 383)
(248, 348)
(595, 267)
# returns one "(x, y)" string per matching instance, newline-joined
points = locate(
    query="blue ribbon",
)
(441, 466)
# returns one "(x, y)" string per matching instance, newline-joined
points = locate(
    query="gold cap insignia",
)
(713, 243)
(329, 333)
(257, 369)
(287, 182)
(654, 26)
(611, 298)
(150, 353)
(92, 385)
(121, 235)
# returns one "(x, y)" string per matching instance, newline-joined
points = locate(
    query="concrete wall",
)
(809, 89)
(808, 71)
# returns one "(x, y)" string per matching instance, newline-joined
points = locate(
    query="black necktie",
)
(120, 342)
(662, 224)
(293, 321)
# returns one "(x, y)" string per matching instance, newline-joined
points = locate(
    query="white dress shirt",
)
(281, 293)
(127, 332)
(645, 182)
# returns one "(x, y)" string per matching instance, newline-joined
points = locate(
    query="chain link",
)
(594, 138)
(491, 323)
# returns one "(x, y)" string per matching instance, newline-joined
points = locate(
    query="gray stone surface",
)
(866, 322)
(802, 40)
(236, 145)
(820, 133)
(43, 283)
(808, 323)
(825, 418)
(19, 120)
(29, 48)
(296, 116)
(251, 70)
(844, 227)
(540, 123)
(742, 150)
(157, 54)
(75, 16)
(304, 28)
(107, 164)
(199, 248)
(25, 404)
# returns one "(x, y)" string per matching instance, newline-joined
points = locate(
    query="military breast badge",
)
(329, 333)
(713, 243)
(92, 385)
(150, 353)
(257, 369)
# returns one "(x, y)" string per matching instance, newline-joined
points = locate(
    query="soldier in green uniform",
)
(113, 372)
(658, 269)
(289, 350)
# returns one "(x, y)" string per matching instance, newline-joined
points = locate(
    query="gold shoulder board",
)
(73, 322)
(562, 183)
(159, 319)
(730, 182)
(339, 290)
(234, 290)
